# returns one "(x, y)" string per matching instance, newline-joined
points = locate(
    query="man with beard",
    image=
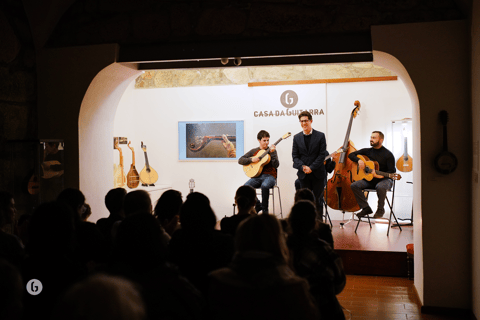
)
(386, 163)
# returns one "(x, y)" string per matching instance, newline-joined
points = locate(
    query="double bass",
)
(339, 195)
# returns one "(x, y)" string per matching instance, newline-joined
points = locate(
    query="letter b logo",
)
(289, 99)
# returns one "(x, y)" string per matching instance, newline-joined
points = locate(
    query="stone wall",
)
(151, 21)
(18, 112)
(236, 76)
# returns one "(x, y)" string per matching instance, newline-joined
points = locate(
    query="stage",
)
(371, 251)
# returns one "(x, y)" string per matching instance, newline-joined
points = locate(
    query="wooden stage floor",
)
(371, 251)
(374, 239)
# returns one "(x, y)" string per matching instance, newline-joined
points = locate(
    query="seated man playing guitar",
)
(266, 180)
(381, 183)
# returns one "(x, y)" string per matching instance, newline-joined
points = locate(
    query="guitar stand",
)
(342, 224)
(411, 217)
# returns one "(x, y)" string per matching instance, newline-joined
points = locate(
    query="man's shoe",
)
(365, 211)
(379, 214)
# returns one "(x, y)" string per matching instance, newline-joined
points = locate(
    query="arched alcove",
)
(96, 121)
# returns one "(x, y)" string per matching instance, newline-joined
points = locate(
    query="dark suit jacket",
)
(313, 158)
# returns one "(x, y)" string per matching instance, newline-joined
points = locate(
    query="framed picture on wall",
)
(210, 140)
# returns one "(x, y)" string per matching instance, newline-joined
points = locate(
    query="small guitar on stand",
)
(405, 162)
(148, 175)
(367, 172)
(120, 179)
(133, 179)
(253, 170)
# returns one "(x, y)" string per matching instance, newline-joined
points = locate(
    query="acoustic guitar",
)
(119, 178)
(253, 170)
(405, 162)
(33, 184)
(367, 172)
(133, 179)
(148, 175)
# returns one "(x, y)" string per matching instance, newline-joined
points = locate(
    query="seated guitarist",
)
(267, 179)
(386, 163)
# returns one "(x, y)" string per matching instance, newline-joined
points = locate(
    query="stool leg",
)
(280, 202)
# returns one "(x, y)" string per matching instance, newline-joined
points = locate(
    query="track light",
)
(224, 61)
(237, 61)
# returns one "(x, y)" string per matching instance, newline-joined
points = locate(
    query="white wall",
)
(152, 115)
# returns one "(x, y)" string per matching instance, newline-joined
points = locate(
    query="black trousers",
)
(317, 186)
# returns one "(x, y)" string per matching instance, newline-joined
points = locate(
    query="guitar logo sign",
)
(289, 99)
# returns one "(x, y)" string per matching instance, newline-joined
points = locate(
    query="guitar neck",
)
(267, 151)
(381, 173)
(330, 155)
(121, 157)
(445, 144)
(405, 152)
(146, 160)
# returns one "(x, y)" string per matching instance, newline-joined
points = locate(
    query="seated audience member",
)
(315, 260)
(258, 284)
(11, 292)
(245, 200)
(92, 245)
(167, 210)
(51, 257)
(101, 297)
(322, 229)
(140, 255)
(137, 201)
(114, 203)
(22, 228)
(86, 213)
(197, 248)
(134, 202)
(11, 248)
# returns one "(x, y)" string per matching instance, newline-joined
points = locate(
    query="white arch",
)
(391, 63)
(96, 123)
(95, 133)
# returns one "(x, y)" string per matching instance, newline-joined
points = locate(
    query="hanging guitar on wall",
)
(119, 178)
(445, 162)
(133, 179)
(405, 162)
(148, 175)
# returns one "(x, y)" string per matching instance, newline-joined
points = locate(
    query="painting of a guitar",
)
(405, 162)
(367, 172)
(253, 170)
(133, 179)
(148, 175)
(119, 178)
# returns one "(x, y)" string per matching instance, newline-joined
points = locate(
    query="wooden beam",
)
(294, 82)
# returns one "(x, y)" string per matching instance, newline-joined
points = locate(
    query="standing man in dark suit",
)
(308, 152)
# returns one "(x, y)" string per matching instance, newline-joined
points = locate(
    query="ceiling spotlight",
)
(224, 61)
(237, 61)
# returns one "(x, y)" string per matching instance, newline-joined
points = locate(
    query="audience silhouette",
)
(245, 201)
(127, 266)
(197, 248)
(315, 260)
